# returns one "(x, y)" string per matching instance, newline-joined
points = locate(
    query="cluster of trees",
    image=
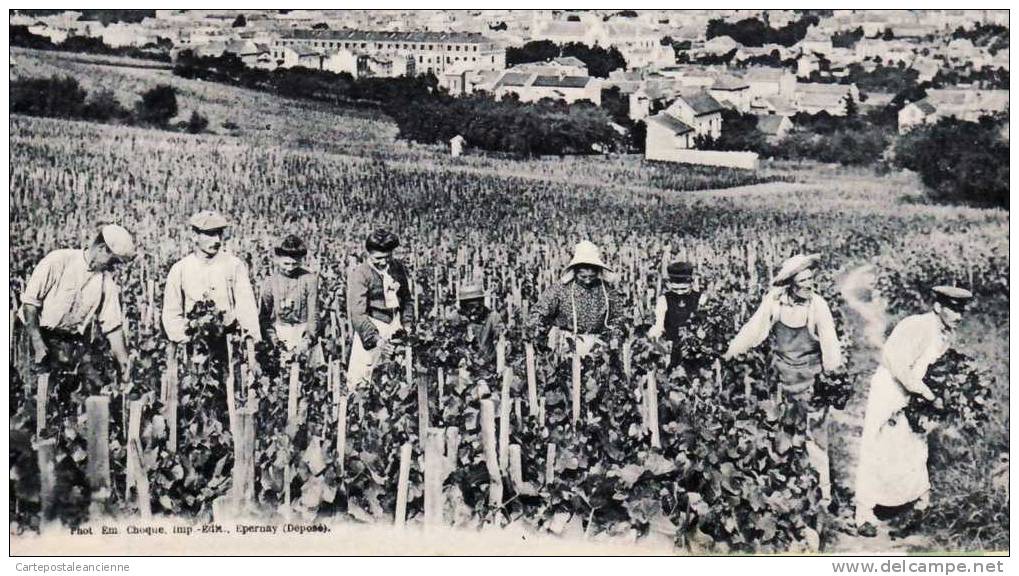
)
(600, 61)
(22, 37)
(423, 112)
(987, 77)
(959, 161)
(847, 38)
(63, 97)
(753, 32)
(889, 79)
(546, 127)
(992, 36)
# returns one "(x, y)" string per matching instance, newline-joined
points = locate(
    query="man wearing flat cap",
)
(210, 273)
(675, 307)
(583, 309)
(480, 326)
(892, 469)
(70, 299)
(379, 305)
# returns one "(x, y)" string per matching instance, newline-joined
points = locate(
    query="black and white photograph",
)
(510, 282)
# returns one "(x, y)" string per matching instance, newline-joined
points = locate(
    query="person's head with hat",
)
(796, 275)
(111, 246)
(472, 301)
(208, 228)
(380, 245)
(586, 266)
(949, 304)
(679, 277)
(290, 255)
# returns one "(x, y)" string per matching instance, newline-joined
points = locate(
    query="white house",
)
(665, 133)
(732, 92)
(964, 104)
(765, 81)
(813, 98)
(342, 61)
(567, 66)
(699, 110)
(533, 87)
(292, 56)
(774, 127)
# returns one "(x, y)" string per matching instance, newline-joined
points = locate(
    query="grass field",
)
(331, 175)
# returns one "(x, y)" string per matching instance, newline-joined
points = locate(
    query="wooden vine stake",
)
(231, 407)
(41, 399)
(435, 473)
(293, 397)
(550, 463)
(170, 398)
(47, 478)
(532, 380)
(341, 431)
(652, 409)
(504, 419)
(491, 460)
(137, 477)
(575, 388)
(401, 485)
(244, 459)
(97, 413)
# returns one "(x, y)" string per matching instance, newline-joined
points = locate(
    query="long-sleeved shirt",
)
(290, 300)
(482, 332)
(915, 343)
(223, 279)
(595, 309)
(366, 291)
(777, 306)
(69, 295)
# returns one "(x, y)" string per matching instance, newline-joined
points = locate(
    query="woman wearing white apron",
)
(892, 470)
(804, 343)
(379, 305)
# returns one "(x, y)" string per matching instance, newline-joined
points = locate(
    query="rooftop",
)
(675, 125)
(383, 36)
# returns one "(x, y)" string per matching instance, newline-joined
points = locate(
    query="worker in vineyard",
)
(582, 310)
(71, 299)
(892, 469)
(675, 307)
(379, 305)
(288, 307)
(211, 274)
(480, 327)
(801, 330)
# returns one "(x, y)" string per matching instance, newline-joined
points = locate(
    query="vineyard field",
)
(726, 476)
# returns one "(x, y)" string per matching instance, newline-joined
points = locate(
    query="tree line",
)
(599, 61)
(425, 113)
(23, 38)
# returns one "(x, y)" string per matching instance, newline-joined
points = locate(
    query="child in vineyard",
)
(582, 309)
(379, 305)
(892, 470)
(70, 295)
(481, 327)
(288, 309)
(804, 343)
(675, 307)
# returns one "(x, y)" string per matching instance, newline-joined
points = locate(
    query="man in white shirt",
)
(69, 297)
(211, 274)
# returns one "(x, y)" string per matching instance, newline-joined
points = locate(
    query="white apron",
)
(291, 335)
(362, 362)
(892, 470)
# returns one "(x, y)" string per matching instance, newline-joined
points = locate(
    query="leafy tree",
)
(158, 105)
(960, 162)
(753, 32)
(240, 21)
(847, 38)
(320, 26)
(534, 51)
(600, 61)
(103, 106)
(58, 97)
(197, 123)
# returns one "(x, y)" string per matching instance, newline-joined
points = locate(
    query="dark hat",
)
(292, 246)
(680, 271)
(381, 240)
(952, 296)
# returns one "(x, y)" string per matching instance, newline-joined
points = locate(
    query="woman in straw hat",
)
(804, 343)
(288, 311)
(582, 307)
(892, 470)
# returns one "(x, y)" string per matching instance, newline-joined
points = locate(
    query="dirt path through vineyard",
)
(869, 323)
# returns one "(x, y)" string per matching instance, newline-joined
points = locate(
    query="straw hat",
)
(586, 252)
(793, 266)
